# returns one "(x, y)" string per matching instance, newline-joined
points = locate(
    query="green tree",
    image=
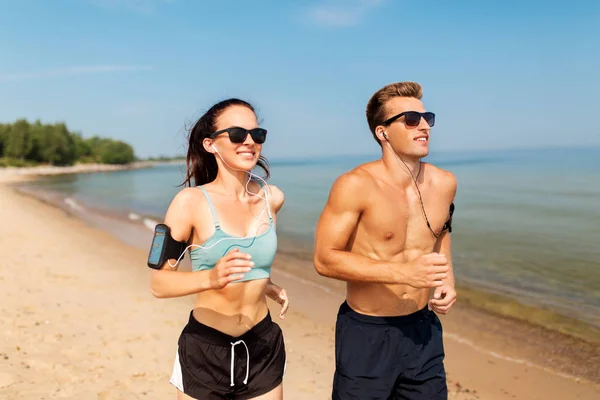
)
(22, 143)
(59, 146)
(4, 131)
(116, 152)
(18, 143)
(83, 151)
(37, 138)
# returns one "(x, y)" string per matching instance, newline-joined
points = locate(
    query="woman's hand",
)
(279, 295)
(229, 268)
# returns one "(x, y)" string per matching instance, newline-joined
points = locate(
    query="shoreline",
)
(473, 294)
(493, 303)
(480, 297)
(50, 170)
(480, 362)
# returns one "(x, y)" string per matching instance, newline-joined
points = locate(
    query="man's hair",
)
(376, 111)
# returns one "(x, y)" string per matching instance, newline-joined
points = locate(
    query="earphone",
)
(265, 198)
(249, 177)
(416, 185)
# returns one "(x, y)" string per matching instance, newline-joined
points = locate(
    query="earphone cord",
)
(418, 191)
(267, 208)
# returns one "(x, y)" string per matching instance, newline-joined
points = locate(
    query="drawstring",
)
(233, 344)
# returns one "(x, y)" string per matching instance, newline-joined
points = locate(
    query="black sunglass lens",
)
(429, 118)
(259, 135)
(237, 135)
(412, 118)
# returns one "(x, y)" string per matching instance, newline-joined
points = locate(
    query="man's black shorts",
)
(212, 365)
(388, 357)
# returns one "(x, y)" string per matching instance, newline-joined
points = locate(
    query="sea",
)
(526, 224)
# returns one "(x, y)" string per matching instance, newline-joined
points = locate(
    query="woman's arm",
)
(168, 282)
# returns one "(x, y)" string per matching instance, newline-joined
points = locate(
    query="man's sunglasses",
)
(412, 118)
(239, 135)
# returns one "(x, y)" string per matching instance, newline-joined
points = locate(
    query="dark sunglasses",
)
(239, 135)
(413, 118)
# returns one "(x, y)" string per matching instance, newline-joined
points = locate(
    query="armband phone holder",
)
(448, 224)
(164, 247)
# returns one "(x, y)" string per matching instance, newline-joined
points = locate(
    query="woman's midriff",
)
(233, 310)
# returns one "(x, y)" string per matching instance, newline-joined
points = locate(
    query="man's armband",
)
(448, 224)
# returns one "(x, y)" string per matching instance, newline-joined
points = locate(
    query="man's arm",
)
(443, 244)
(338, 220)
(444, 296)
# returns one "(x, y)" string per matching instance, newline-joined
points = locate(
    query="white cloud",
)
(68, 71)
(341, 13)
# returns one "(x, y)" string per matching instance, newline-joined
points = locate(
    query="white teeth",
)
(422, 139)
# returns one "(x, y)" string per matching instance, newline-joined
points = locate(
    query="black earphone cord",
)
(418, 191)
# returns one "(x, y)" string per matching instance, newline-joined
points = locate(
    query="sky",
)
(498, 74)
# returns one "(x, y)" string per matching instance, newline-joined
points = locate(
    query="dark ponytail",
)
(200, 164)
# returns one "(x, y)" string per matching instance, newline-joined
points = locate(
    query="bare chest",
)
(398, 219)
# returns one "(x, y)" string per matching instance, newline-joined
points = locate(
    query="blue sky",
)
(498, 74)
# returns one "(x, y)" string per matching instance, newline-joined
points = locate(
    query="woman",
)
(230, 347)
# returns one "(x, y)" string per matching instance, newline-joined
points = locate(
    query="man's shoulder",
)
(443, 179)
(350, 190)
(355, 179)
(441, 176)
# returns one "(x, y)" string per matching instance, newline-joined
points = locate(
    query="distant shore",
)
(47, 170)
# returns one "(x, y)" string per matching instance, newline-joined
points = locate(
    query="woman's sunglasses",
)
(239, 135)
(413, 118)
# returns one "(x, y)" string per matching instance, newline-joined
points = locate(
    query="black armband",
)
(164, 247)
(448, 224)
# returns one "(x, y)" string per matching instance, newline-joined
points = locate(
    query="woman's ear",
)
(207, 144)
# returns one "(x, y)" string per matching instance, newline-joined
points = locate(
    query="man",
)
(385, 231)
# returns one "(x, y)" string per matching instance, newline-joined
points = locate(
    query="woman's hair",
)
(200, 164)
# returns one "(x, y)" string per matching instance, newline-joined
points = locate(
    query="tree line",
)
(23, 143)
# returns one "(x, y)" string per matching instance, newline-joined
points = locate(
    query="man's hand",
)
(427, 271)
(443, 298)
(279, 295)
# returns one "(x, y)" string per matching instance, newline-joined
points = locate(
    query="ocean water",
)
(527, 223)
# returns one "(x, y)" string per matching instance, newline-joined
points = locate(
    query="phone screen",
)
(157, 244)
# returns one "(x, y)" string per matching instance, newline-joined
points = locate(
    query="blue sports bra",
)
(262, 247)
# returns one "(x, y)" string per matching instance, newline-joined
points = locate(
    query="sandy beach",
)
(78, 321)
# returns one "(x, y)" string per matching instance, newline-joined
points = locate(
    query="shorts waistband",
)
(417, 316)
(214, 336)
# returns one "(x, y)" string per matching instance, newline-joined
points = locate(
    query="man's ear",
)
(381, 134)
